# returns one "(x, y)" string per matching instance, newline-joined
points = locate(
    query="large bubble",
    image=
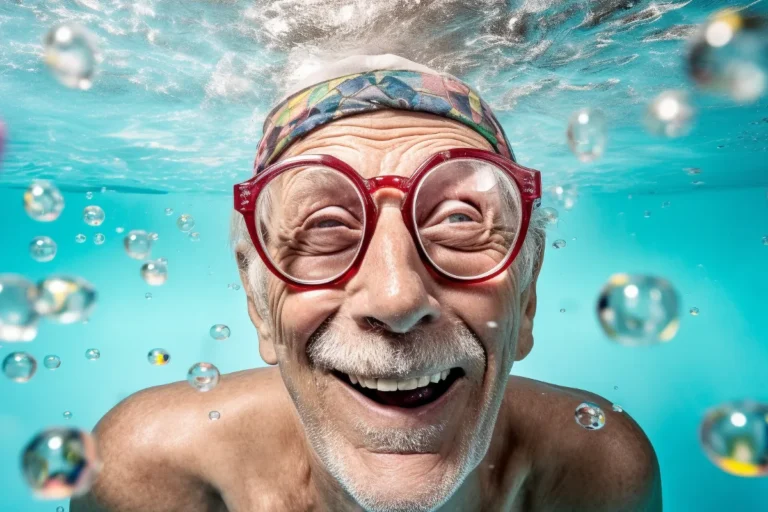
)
(729, 54)
(42, 249)
(60, 463)
(638, 309)
(735, 437)
(93, 215)
(65, 299)
(43, 201)
(19, 366)
(72, 54)
(203, 376)
(18, 317)
(587, 134)
(137, 244)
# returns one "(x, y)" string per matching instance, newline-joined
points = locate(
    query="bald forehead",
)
(387, 142)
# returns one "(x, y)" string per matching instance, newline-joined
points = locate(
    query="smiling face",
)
(397, 375)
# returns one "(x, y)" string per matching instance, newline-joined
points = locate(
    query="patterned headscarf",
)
(358, 93)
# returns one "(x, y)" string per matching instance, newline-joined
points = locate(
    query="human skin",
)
(504, 444)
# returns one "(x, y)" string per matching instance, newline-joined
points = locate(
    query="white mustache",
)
(379, 354)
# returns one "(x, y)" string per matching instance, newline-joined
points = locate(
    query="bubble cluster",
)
(638, 309)
(158, 357)
(590, 416)
(220, 332)
(42, 249)
(735, 437)
(728, 55)
(670, 114)
(18, 316)
(93, 215)
(137, 244)
(52, 362)
(154, 273)
(203, 376)
(19, 366)
(185, 222)
(60, 463)
(587, 134)
(65, 300)
(72, 54)
(43, 202)
(92, 354)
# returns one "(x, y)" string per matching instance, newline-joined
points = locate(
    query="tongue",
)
(412, 398)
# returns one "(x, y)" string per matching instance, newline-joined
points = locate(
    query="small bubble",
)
(119, 230)
(559, 244)
(80, 238)
(670, 114)
(220, 332)
(52, 362)
(42, 249)
(765, 240)
(617, 408)
(169, 211)
(562, 310)
(185, 222)
(665, 204)
(214, 415)
(203, 376)
(153, 236)
(694, 311)
(67, 415)
(646, 214)
(98, 238)
(43, 201)
(59, 509)
(92, 354)
(590, 416)
(492, 324)
(692, 171)
(89, 195)
(158, 357)
(93, 215)
(235, 286)
(148, 296)
(195, 237)
(103, 189)
(615, 388)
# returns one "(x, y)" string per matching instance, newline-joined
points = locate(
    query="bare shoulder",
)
(161, 452)
(611, 469)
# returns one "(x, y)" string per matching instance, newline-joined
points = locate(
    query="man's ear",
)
(528, 311)
(266, 342)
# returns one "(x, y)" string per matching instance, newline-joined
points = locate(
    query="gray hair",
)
(525, 265)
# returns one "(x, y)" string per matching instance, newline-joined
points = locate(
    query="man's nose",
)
(389, 289)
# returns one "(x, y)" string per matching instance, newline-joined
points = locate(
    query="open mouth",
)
(408, 393)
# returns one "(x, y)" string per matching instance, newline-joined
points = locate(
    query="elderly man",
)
(390, 247)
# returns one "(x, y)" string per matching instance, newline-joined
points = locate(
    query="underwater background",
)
(172, 121)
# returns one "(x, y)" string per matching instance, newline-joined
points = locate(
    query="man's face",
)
(394, 320)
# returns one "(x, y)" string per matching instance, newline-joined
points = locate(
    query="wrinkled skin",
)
(302, 439)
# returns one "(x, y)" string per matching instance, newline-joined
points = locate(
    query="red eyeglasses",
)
(311, 218)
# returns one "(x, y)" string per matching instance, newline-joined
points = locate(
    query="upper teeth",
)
(395, 385)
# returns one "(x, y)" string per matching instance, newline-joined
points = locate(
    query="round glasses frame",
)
(528, 183)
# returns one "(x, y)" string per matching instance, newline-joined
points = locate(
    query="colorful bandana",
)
(359, 93)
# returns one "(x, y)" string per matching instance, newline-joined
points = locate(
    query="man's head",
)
(392, 319)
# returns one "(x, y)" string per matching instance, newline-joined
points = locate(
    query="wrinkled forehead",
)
(387, 142)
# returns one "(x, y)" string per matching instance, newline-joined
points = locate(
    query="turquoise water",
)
(170, 123)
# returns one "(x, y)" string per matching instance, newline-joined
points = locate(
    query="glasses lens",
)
(310, 223)
(468, 215)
